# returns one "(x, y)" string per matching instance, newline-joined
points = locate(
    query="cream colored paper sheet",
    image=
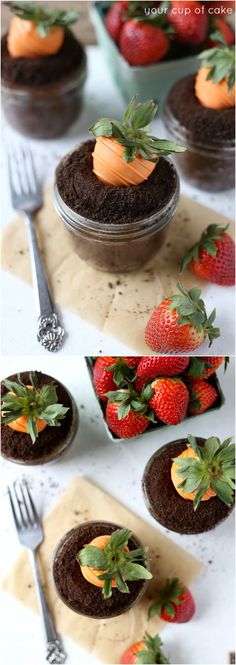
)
(107, 640)
(115, 304)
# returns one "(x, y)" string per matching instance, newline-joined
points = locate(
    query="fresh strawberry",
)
(202, 396)
(115, 19)
(225, 30)
(180, 323)
(110, 372)
(213, 257)
(189, 23)
(174, 603)
(143, 44)
(131, 425)
(150, 367)
(170, 400)
(147, 650)
(127, 412)
(202, 367)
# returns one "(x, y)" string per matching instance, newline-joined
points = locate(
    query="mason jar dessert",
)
(188, 484)
(200, 113)
(39, 418)
(100, 570)
(117, 195)
(43, 71)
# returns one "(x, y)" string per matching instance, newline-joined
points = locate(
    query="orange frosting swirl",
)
(213, 95)
(110, 167)
(25, 42)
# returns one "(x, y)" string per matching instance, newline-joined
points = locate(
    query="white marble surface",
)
(18, 321)
(209, 636)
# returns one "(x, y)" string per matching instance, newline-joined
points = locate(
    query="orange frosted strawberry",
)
(180, 323)
(35, 31)
(215, 81)
(125, 153)
(170, 400)
(107, 562)
(30, 409)
(148, 650)
(213, 257)
(200, 473)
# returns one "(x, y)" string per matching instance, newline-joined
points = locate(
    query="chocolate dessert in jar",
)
(100, 570)
(188, 484)
(43, 71)
(200, 113)
(39, 418)
(117, 195)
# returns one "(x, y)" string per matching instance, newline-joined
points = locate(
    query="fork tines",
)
(21, 170)
(24, 513)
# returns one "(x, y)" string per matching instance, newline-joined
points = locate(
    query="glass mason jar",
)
(45, 111)
(61, 445)
(117, 247)
(67, 545)
(208, 166)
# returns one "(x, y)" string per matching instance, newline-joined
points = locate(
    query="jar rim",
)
(182, 135)
(75, 221)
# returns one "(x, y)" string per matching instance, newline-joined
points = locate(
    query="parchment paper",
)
(116, 304)
(108, 639)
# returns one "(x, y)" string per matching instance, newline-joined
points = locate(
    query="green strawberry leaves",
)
(45, 19)
(130, 400)
(36, 403)
(166, 598)
(122, 372)
(133, 133)
(207, 241)
(220, 60)
(152, 651)
(191, 310)
(213, 467)
(115, 562)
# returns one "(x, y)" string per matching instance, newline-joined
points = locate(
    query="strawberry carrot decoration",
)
(173, 603)
(202, 472)
(30, 409)
(35, 31)
(125, 152)
(180, 323)
(148, 650)
(213, 257)
(107, 562)
(215, 81)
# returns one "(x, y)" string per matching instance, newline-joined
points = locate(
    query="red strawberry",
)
(147, 650)
(202, 396)
(189, 23)
(180, 323)
(143, 44)
(170, 400)
(115, 19)
(213, 257)
(225, 30)
(150, 367)
(174, 603)
(105, 379)
(202, 367)
(131, 425)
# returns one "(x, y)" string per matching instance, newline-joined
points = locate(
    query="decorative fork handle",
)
(55, 653)
(50, 332)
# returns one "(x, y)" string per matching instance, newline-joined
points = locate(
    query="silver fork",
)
(30, 535)
(27, 199)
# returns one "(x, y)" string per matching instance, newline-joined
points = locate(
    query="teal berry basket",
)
(213, 379)
(147, 82)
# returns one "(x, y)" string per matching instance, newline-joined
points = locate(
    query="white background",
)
(101, 97)
(209, 636)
